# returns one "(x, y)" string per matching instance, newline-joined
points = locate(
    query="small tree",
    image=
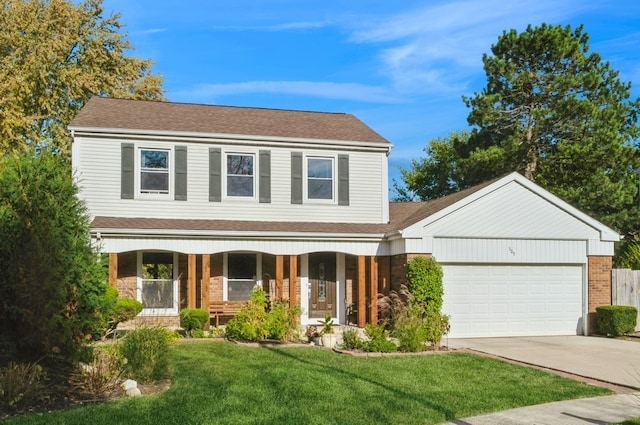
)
(52, 288)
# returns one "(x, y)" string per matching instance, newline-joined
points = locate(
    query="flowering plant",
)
(312, 333)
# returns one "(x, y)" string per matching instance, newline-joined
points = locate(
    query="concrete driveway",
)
(608, 360)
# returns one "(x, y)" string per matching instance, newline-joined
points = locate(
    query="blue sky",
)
(400, 66)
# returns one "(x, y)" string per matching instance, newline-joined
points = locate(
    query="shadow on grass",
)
(448, 414)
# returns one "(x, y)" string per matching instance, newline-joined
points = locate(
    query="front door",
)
(322, 283)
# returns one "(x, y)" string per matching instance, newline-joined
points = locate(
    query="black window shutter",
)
(296, 177)
(215, 176)
(127, 171)
(264, 186)
(343, 179)
(181, 174)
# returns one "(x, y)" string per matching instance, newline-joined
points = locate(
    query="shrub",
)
(351, 340)
(53, 285)
(256, 322)
(146, 351)
(378, 341)
(616, 320)
(20, 383)
(193, 319)
(411, 331)
(281, 321)
(126, 309)
(436, 326)
(100, 377)
(425, 283)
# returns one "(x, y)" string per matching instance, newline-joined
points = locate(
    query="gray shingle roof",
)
(141, 115)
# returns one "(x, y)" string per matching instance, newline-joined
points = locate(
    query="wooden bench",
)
(224, 308)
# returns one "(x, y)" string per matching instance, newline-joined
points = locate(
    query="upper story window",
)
(320, 178)
(154, 171)
(240, 175)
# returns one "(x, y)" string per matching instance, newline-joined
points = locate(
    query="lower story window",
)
(158, 288)
(242, 272)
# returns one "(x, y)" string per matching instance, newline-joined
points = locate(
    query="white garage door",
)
(500, 300)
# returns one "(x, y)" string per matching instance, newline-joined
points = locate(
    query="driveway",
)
(604, 359)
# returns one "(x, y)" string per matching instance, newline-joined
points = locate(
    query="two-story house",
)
(198, 204)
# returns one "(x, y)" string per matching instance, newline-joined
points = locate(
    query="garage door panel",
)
(512, 300)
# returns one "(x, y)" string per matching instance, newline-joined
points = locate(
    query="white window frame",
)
(225, 272)
(170, 171)
(225, 175)
(158, 311)
(305, 171)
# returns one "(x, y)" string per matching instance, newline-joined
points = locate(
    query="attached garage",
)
(517, 260)
(513, 300)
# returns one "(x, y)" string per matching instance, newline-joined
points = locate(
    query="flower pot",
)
(329, 340)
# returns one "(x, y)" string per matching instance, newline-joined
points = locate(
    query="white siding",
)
(514, 251)
(511, 211)
(99, 180)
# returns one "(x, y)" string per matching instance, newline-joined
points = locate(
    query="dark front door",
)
(322, 279)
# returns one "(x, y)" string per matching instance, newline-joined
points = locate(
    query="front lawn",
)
(224, 383)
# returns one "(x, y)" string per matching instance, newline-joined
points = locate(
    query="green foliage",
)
(436, 326)
(193, 319)
(55, 55)
(327, 324)
(616, 320)
(20, 384)
(257, 322)
(628, 255)
(425, 284)
(53, 288)
(126, 309)
(351, 340)
(411, 331)
(552, 111)
(146, 351)
(101, 376)
(378, 342)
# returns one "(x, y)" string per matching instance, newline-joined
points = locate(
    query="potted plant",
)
(329, 339)
(313, 335)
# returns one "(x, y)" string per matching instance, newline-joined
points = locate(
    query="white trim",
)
(304, 290)
(225, 174)
(305, 175)
(242, 139)
(138, 170)
(157, 311)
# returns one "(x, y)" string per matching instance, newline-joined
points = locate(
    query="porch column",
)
(373, 289)
(293, 280)
(191, 281)
(204, 285)
(113, 270)
(362, 305)
(279, 276)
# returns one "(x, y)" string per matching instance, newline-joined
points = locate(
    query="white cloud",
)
(329, 90)
(438, 47)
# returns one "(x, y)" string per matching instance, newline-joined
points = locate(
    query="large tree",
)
(55, 54)
(554, 112)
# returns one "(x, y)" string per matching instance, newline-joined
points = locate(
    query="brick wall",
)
(599, 287)
(398, 269)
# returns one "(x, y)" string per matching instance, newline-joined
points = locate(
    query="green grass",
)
(223, 383)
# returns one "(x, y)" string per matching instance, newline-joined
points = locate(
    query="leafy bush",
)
(281, 321)
(411, 331)
(20, 383)
(146, 351)
(378, 341)
(436, 326)
(126, 309)
(351, 340)
(425, 283)
(193, 319)
(256, 322)
(616, 320)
